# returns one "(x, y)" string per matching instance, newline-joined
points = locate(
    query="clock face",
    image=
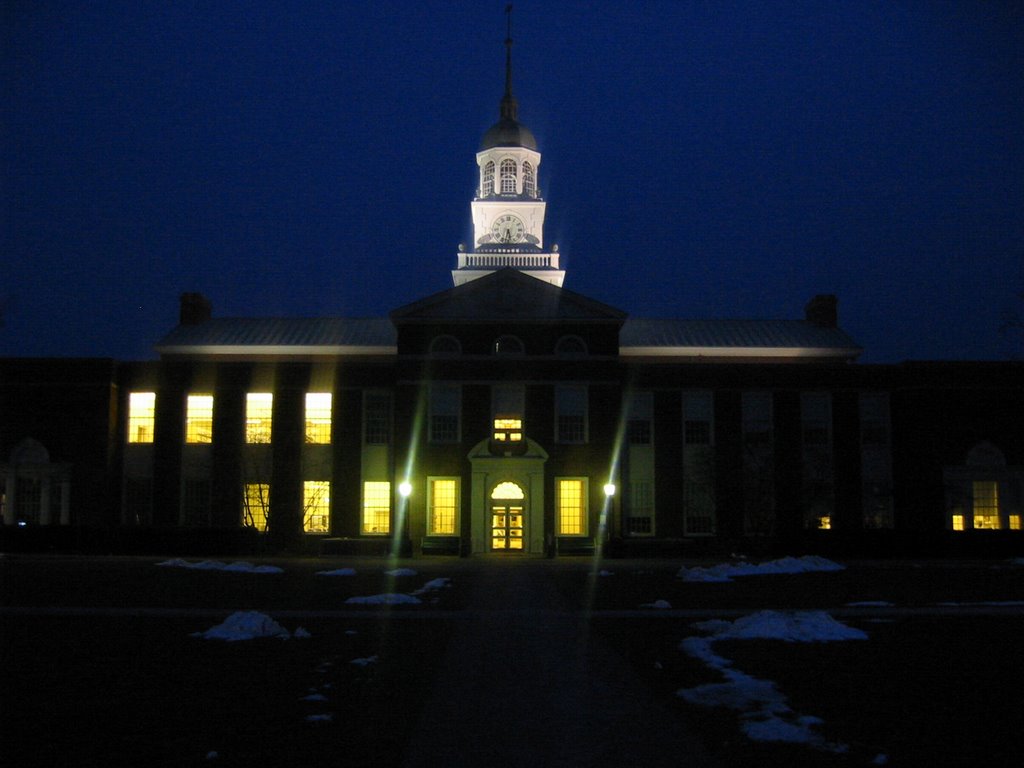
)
(508, 229)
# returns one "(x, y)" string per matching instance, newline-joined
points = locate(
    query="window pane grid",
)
(199, 419)
(316, 506)
(377, 429)
(259, 410)
(443, 507)
(376, 508)
(571, 518)
(141, 416)
(986, 504)
(318, 417)
(255, 505)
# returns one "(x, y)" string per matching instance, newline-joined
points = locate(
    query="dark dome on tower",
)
(508, 133)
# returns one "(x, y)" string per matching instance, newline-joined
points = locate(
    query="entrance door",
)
(506, 527)
(507, 518)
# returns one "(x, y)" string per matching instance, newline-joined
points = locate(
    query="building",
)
(509, 414)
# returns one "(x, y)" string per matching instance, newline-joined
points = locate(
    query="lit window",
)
(487, 186)
(316, 506)
(376, 508)
(825, 523)
(444, 507)
(259, 411)
(318, 417)
(571, 414)
(444, 413)
(507, 430)
(141, 415)
(572, 507)
(986, 504)
(199, 419)
(529, 180)
(256, 506)
(1014, 521)
(377, 418)
(508, 176)
(958, 522)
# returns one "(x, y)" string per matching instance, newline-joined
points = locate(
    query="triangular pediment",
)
(507, 295)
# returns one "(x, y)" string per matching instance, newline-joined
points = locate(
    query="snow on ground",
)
(765, 714)
(727, 571)
(338, 572)
(216, 565)
(365, 662)
(659, 605)
(434, 584)
(871, 604)
(400, 572)
(249, 625)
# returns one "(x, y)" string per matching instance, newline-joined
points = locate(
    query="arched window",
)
(508, 176)
(571, 346)
(487, 185)
(445, 346)
(508, 345)
(529, 181)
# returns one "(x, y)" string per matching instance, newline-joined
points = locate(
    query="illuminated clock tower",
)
(508, 210)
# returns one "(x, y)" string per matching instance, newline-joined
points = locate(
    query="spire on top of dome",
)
(509, 107)
(508, 131)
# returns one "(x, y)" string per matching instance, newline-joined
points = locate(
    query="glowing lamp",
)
(609, 489)
(405, 489)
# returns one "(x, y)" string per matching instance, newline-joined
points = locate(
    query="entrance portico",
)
(507, 513)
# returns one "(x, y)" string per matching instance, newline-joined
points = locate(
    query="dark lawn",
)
(123, 690)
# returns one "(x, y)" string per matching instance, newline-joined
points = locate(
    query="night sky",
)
(700, 160)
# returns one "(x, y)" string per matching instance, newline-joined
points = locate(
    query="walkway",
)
(523, 683)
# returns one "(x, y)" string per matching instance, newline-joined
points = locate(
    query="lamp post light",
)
(609, 495)
(401, 544)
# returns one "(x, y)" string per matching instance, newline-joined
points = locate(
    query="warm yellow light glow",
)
(443, 507)
(316, 505)
(318, 417)
(256, 505)
(958, 522)
(507, 424)
(825, 523)
(1014, 521)
(259, 410)
(141, 415)
(376, 508)
(507, 527)
(405, 489)
(609, 489)
(507, 490)
(986, 505)
(571, 508)
(199, 419)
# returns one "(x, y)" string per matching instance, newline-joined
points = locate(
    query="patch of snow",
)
(325, 717)
(880, 759)
(216, 565)
(365, 662)
(245, 625)
(1004, 603)
(212, 755)
(727, 571)
(659, 605)
(338, 572)
(871, 604)
(389, 598)
(1017, 561)
(301, 633)
(440, 583)
(351, 632)
(400, 572)
(606, 573)
(764, 712)
(792, 627)
(314, 697)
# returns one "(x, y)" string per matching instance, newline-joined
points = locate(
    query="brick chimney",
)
(823, 311)
(195, 309)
